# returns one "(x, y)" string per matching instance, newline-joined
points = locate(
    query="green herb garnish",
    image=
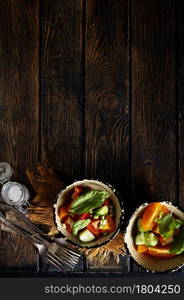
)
(88, 201)
(167, 225)
(177, 246)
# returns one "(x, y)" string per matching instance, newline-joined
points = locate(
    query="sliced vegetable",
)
(102, 211)
(86, 236)
(150, 239)
(160, 252)
(156, 229)
(140, 239)
(178, 223)
(164, 209)
(80, 224)
(165, 241)
(107, 202)
(177, 246)
(88, 201)
(139, 226)
(63, 212)
(68, 227)
(167, 225)
(84, 216)
(77, 192)
(94, 229)
(142, 249)
(68, 224)
(69, 221)
(150, 213)
(96, 217)
(110, 225)
(147, 239)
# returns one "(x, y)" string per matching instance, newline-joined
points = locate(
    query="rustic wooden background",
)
(96, 87)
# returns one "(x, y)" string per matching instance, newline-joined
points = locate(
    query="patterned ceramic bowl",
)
(93, 185)
(151, 263)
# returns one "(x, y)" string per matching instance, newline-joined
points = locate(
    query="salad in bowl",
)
(88, 213)
(160, 233)
(155, 237)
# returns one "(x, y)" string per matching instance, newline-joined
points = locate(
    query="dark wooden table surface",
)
(97, 88)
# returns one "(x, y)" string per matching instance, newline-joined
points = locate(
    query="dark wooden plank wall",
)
(106, 93)
(62, 86)
(180, 95)
(153, 100)
(154, 124)
(19, 109)
(96, 87)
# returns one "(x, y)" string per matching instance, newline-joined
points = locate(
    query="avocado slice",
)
(151, 240)
(102, 211)
(140, 239)
(139, 226)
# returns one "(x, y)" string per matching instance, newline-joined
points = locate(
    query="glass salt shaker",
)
(13, 193)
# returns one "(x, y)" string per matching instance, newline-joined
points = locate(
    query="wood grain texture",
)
(180, 95)
(154, 128)
(62, 86)
(19, 108)
(111, 90)
(106, 90)
(107, 93)
(153, 101)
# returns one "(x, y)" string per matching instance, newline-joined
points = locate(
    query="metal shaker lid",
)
(6, 172)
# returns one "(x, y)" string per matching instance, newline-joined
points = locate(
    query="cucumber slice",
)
(86, 236)
(140, 239)
(102, 211)
(139, 226)
(151, 239)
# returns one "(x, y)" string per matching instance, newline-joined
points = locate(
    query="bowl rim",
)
(126, 246)
(118, 228)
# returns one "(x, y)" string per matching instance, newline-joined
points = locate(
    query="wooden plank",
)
(180, 95)
(19, 109)
(107, 94)
(153, 101)
(62, 87)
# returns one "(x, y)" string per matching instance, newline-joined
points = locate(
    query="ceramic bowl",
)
(150, 263)
(93, 184)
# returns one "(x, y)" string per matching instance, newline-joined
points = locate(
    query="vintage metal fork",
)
(62, 256)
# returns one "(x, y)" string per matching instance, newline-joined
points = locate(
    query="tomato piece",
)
(84, 216)
(75, 217)
(165, 241)
(69, 223)
(93, 228)
(156, 228)
(107, 202)
(68, 228)
(63, 211)
(77, 192)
